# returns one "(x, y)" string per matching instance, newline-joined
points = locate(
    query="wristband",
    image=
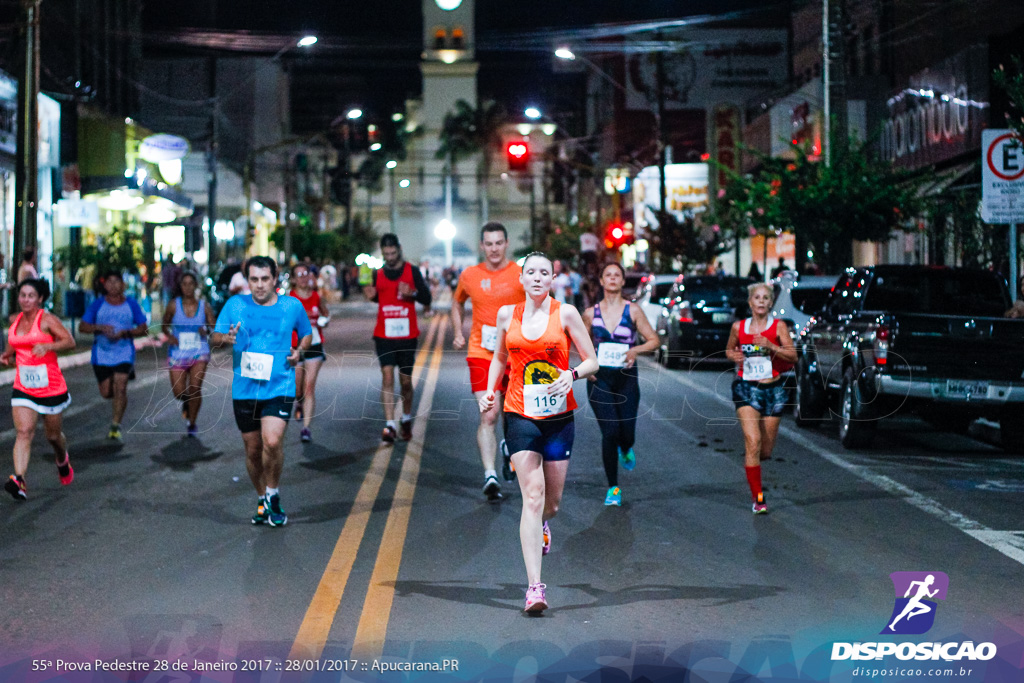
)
(575, 375)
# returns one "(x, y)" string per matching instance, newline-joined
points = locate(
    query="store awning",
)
(148, 202)
(945, 178)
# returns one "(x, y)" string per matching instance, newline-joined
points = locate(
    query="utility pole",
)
(211, 160)
(660, 79)
(833, 72)
(27, 172)
(394, 203)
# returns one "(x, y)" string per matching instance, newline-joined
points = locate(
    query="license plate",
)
(965, 389)
(721, 317)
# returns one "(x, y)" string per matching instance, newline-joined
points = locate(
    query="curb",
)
(75, 360)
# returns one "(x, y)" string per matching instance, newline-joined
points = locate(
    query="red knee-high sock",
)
(754, 480)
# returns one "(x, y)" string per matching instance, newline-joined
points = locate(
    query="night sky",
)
(369, 51)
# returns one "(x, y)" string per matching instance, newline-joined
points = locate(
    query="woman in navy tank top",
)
(614, 392)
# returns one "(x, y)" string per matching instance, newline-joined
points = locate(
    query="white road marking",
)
(1009, 543)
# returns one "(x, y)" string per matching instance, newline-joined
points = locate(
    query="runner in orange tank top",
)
(33, 340)
(533, 338)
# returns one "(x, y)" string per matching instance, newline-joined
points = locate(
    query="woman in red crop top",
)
(533, 338)
(33, 340)
(762, 350)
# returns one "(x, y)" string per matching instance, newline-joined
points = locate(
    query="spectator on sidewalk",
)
(27, 269)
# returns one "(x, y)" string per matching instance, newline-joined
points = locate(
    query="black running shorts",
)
(552, 437)
(249, 412)
(400, 352)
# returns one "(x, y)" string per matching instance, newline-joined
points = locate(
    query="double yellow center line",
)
(372, 628)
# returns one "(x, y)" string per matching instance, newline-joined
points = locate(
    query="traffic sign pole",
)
(1013, 275)
(1002, 189)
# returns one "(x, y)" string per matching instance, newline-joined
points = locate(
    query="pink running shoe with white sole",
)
(536, 600)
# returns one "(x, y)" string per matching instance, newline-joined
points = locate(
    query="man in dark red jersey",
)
(396, 288)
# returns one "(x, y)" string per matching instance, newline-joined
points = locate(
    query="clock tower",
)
(448, 64)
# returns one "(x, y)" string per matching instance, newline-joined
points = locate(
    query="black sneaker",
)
(492, 489)
(15, 486)
(508, 472)
(389, 434)
(262, 511)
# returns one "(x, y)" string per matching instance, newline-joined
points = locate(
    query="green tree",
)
(680, 245)
(858, 197)
(119, 250)
(468, 131)
(337, 245)
(1012, 82)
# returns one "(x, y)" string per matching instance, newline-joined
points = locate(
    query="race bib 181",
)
(757, 368)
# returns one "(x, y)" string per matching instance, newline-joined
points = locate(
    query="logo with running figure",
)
(916, 595)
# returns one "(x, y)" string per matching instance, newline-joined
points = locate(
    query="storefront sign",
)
(941, 114)
(723, 65)
(163, 147)
(1002, 177)
(686, 185)
(76, 213)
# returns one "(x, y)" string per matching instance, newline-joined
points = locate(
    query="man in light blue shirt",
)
(259, 327)
(115, 320)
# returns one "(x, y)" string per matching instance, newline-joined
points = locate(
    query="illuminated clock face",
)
(448, 5)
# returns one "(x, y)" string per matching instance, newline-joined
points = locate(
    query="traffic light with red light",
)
(518, 154)
(617, 234)
(614, 235)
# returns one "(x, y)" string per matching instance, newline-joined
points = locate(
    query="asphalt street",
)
(392, 555)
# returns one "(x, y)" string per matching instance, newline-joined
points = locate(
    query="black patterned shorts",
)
(768, 399)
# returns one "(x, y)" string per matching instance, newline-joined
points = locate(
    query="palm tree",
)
(466, 132)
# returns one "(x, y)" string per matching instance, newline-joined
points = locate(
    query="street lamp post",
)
(27, 175)
(394, 196)
(352, 115)
(445, 231)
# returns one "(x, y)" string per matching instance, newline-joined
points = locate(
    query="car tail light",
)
(685, 312)
(882, 335)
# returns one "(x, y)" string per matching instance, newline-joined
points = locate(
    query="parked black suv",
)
(701, 310)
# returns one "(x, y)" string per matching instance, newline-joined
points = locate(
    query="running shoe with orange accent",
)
(15, 486)
(65, 472)
(536, 599)
(547, 539)
(760, 508)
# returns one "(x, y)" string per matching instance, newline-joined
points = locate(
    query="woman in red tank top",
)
(533, 338)
(762, 349)
(33, 340)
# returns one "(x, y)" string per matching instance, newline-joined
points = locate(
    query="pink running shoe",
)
(760, 508)
(536, 600)
(65, 471)
(547, 540)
